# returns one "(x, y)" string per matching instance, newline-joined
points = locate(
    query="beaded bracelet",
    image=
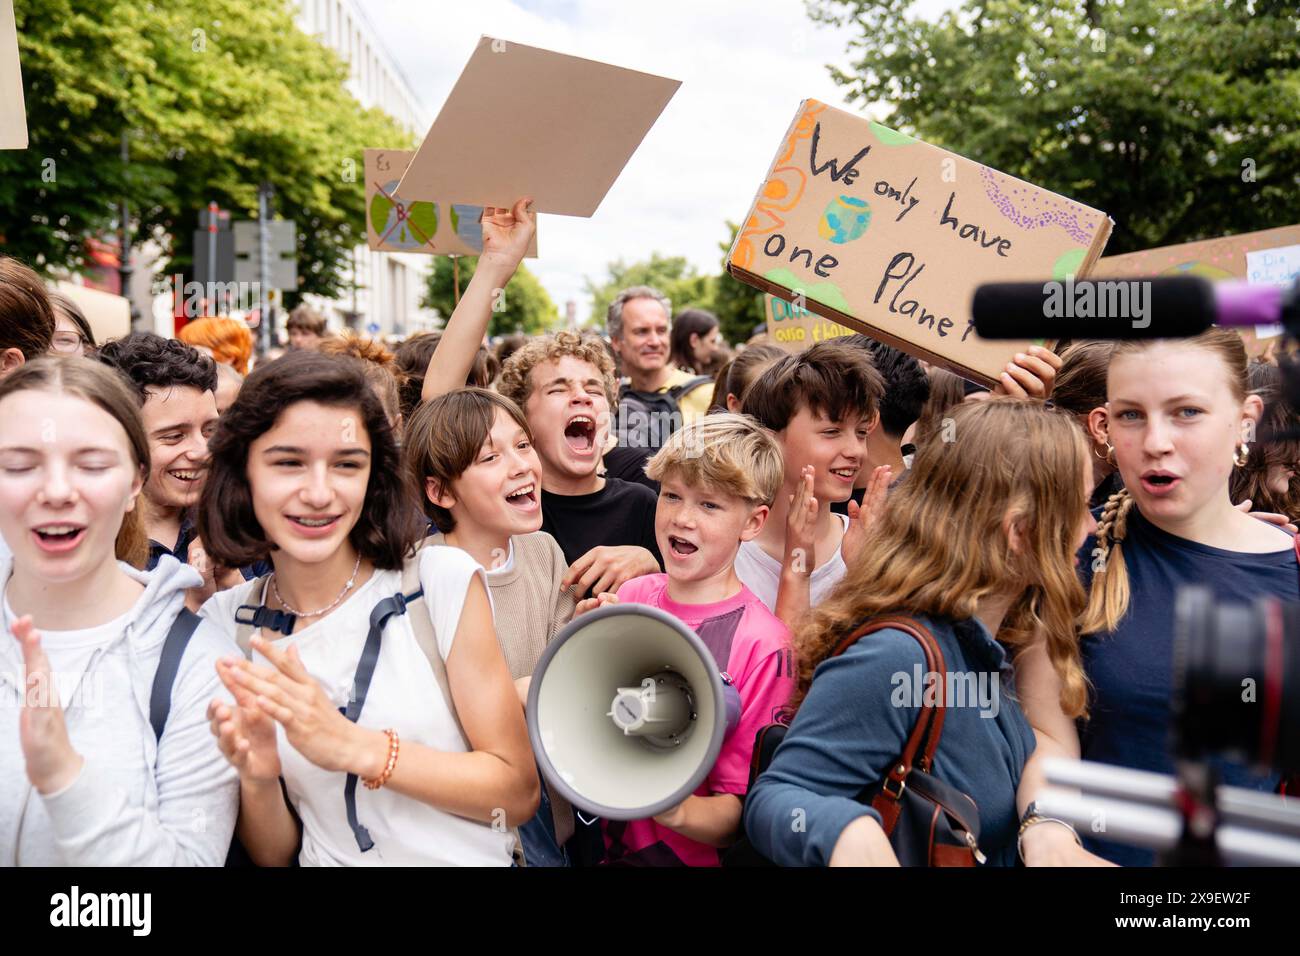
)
(388, 768)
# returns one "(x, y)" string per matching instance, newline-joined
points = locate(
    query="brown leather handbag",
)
(928, 822)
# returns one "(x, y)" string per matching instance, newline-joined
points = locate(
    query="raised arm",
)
(507, 234)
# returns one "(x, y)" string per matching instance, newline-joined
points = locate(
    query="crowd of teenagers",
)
(291, 615)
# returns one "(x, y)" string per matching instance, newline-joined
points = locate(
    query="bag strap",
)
(169, 665)
(677, 391)
(929, 722)
(935, 664)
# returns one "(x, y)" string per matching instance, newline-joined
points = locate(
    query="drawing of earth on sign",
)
(400, 224)
(466, 224)
(845, 219)
(1200, 270)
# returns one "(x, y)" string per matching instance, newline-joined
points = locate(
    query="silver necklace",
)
(325, 610)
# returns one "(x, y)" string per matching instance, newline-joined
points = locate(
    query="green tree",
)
(524, 305)
(672, 275)
(215, 97)
(739, 307)
(1179, 118)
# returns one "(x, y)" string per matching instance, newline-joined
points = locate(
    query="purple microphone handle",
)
(1239, 303)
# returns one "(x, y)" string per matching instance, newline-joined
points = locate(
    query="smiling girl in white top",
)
(305, 472)
(85, 779)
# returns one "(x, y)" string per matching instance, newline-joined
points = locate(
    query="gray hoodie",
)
(137, 801)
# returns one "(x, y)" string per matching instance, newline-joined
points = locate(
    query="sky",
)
(744, 65)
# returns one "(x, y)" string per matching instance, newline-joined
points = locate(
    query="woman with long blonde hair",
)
(1179, 421)
(979, 545)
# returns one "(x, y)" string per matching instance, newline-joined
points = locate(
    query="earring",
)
(1242, 456)
(1110, 455)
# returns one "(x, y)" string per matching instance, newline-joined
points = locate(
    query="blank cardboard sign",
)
(888, 235)
(394, 224)
(527, 122)
(13, 115)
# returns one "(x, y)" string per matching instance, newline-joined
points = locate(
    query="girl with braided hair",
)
(1178, 422)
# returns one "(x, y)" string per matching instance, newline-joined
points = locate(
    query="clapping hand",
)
(863, 517)
(52, 762)
(296, 701)
(801, 526)
(245, 733)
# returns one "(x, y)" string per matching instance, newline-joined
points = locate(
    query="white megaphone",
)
(627, 711)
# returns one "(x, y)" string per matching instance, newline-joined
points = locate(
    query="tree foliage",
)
(738, 307)
(523, 306)
(674, 276)
(1179, 118)
(215, 96)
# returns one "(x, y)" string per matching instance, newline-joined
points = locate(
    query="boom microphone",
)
(1165, 307)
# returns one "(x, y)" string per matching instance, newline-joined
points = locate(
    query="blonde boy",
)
(717, 477)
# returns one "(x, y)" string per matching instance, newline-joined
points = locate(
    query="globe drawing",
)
(399, 224)
(465, 223)
(845, 219)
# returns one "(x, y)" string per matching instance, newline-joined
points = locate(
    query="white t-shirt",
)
(403, 695)
(507, 565)
(69, 653)
(761, 573)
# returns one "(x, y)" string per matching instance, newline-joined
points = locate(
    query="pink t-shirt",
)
(755, 647)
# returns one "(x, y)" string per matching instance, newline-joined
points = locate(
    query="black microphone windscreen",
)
(1172, 307)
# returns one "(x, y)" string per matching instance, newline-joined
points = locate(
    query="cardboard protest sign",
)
(794, 328)
(1269, 255)
(394, 224)
(890, 236)
(527, 122)
(13, 114)
(1213, 259)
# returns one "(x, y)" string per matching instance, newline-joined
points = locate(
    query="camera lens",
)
(1237, 680)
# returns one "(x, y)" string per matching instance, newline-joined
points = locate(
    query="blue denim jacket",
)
(854, 723)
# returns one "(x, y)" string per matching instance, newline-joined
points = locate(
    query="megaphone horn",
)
(627, 711)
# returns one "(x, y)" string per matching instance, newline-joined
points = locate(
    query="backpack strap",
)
(388, 607)
(258, 615)
(169, 665)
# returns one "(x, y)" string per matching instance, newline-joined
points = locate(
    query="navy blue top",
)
(181, 551)
(855, 722)
(1131, 669)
